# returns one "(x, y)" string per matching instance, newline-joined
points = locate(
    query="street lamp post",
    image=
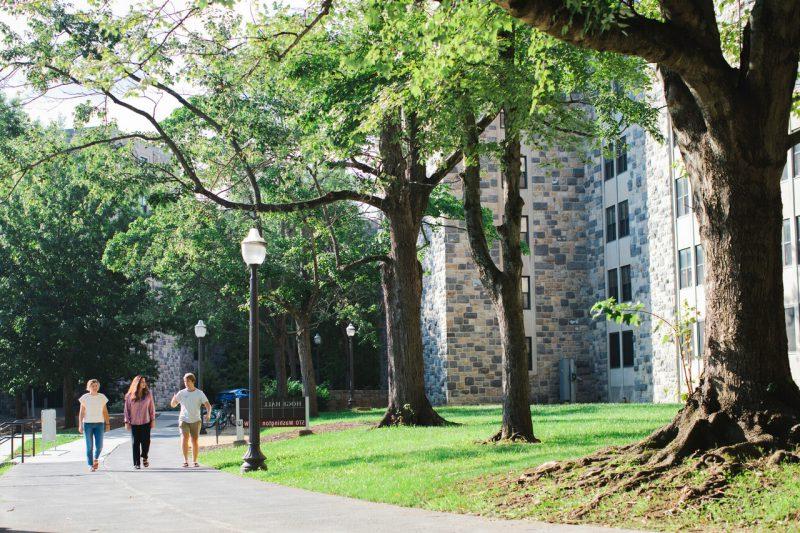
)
(254, 251)
(200, 331)
(317, 343)
(351, 331)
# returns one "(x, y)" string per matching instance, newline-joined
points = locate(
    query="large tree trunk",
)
(746, 393)
(503, 286)
(280, 354)
(69, 400)
(402, 286)
(731, 125)
(401, 278)
(306, 364)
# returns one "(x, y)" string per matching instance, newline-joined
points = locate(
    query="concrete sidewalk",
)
(57, 493)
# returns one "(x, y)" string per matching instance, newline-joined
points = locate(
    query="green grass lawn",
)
(424, 467)
(61, 438)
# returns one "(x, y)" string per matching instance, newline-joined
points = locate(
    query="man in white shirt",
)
(191, 400)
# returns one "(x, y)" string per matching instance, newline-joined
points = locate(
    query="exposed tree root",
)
(406, 416)
(703, 436)
(515, 437)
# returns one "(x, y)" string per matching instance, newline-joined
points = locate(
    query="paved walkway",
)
(56, 492)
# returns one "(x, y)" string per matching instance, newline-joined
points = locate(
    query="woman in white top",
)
(92, 419)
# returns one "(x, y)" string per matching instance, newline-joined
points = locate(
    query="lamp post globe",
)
(200, 331)
(254, 251)
(351, 331)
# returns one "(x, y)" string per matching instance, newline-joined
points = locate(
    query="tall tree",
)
(233, 131)
(545, 89)
(66, 317)
(730, 114)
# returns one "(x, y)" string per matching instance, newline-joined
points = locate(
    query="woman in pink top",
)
(140, 417)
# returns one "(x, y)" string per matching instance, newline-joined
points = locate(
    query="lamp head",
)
(200, 329)
(351, 330)
(254, 248)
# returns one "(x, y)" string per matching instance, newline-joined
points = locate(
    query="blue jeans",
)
(93, 430)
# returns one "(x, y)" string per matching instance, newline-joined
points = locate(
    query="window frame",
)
(685, 266)
(607, 175)
(683, 204)
(614, 339)
(526, 294)
(620, 220)
(523, 172)
(628, 336)
(524, 230)
(699, 265)
(621, 156)
(622, 284)
(612, 274)
(611, 227)
(786, 243)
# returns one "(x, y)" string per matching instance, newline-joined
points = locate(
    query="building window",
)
(786, 242)
(622, 155)
(526, 292)
(797, 234)
(523, 169)
(611, 223)
(625, 282)
(699, 265)
(627, 349)
(622, 216)
(608, 162)
(613, 350)
(502, 119)
(523, 230)
(685, 267)
(613, 285)
(701, 337)
(682, 206)
(790, 334)
(529, 341)
(796, 160)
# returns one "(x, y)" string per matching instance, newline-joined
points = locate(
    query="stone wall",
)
(460, 323)
(173, 361)
(434, 317)
(561, 257)
(662, 275)
(361, 398)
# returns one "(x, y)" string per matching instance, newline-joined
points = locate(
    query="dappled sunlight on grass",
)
(420, 466)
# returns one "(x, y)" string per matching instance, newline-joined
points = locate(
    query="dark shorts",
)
(190, 428)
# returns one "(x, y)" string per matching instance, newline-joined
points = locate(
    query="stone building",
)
(597, 227)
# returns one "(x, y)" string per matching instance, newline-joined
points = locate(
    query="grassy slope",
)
(422, 467)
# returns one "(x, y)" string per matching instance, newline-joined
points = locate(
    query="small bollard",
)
(239, 427)
(306, 430)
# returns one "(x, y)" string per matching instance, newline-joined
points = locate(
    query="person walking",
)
(140, 417)
(191, 400)
(92, 420)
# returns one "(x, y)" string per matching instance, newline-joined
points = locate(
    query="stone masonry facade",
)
(576, 258)
(173, 361)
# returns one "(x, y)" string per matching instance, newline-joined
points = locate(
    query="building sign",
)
(277, 413)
